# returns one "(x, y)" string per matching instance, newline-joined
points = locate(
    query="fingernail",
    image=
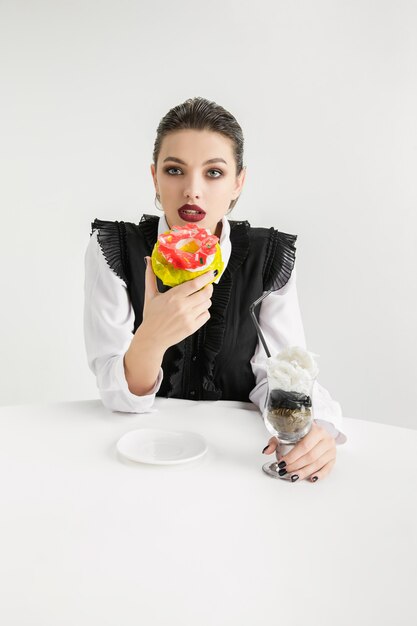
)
(265, 448)
(282, 472)
(282, 464)
(294, 477)
(146, 261)
(313, 480)
(215, 272)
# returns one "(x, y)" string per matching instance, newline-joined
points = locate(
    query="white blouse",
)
(109, 320)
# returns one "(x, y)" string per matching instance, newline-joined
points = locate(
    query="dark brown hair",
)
(201, 114)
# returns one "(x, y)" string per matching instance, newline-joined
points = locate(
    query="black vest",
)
(214, 362)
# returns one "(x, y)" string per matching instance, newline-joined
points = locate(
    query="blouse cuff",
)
(122, 399)
(327, 412)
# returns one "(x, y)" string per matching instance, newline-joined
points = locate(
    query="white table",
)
(88, 538)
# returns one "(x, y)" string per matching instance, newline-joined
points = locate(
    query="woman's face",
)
(183, 177)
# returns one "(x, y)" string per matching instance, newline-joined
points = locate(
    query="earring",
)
(158, 198)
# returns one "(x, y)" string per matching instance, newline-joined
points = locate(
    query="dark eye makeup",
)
(168, 169)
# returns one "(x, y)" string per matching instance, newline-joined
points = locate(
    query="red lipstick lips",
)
(191, 213)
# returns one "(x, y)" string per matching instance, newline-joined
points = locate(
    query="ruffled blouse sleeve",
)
(108, 326)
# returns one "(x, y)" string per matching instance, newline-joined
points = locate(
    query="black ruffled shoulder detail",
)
(111, 237)
(279, 260)
(149, 226)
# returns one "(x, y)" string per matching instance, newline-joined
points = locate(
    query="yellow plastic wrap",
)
(171, 276)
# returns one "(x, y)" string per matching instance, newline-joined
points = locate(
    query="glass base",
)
(272, 469)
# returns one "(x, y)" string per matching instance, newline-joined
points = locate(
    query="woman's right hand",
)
(171, 316)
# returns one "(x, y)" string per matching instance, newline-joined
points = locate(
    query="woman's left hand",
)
(312, 456)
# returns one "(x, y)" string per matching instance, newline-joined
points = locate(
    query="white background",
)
(326, 94)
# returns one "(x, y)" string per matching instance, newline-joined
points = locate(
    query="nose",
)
(192, 196)
(192, 189)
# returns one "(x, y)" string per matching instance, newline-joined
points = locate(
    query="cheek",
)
(222, 187)
(168, 186)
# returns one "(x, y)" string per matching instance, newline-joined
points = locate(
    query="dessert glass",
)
(288, 415)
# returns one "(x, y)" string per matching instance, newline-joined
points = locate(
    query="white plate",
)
(161, 447)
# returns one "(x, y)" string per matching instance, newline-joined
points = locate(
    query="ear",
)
(239, 182)
(155, 180)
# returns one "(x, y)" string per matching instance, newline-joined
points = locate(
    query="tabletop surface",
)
(89, 538)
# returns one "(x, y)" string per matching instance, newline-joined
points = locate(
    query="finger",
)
(202, 318)
(200, 297)
(201, 308)
(151, 287)
(271, 447)
(310, 457)
(195, 284)
(312, 468)
(305, 444)
(323, 472)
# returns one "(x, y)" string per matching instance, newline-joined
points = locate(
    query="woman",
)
(197, 340)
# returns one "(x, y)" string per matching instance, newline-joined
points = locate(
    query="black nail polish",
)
(282, 472)
(282, 464)
(265, 448)
(294, 477)
(146, 261)
(216, 272)
(313, 480)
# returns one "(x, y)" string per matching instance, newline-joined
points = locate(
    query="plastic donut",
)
(185, 252)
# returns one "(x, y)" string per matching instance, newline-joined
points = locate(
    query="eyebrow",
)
(184, 163)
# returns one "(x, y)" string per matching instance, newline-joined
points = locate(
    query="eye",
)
(169, 169)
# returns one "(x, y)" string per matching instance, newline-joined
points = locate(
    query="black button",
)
(192, 392)
(194, 358)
